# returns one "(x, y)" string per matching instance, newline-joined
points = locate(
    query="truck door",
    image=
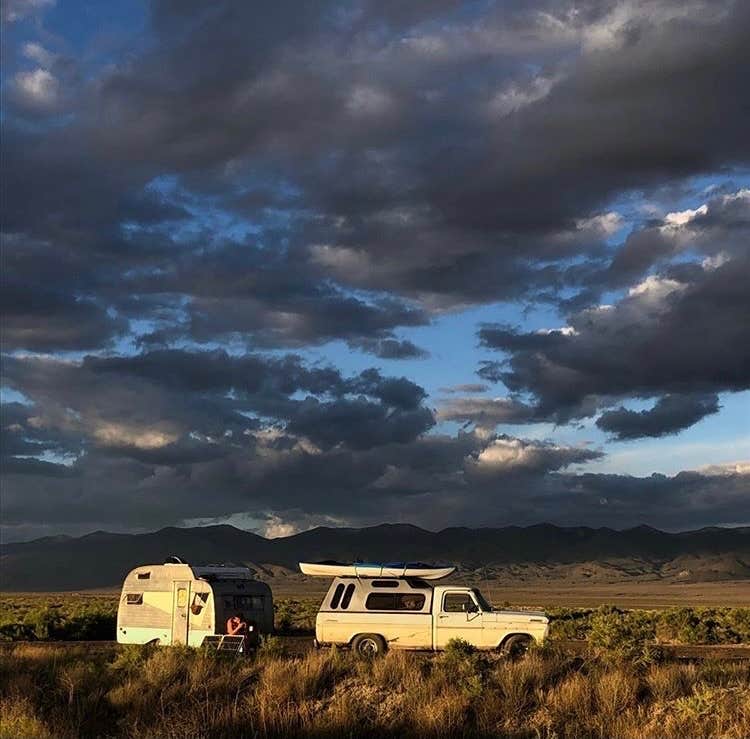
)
(457, 616)
(180, 601)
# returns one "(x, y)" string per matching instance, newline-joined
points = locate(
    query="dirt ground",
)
(643, 594)
(648, 594)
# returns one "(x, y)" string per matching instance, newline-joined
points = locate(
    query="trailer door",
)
(180, 610)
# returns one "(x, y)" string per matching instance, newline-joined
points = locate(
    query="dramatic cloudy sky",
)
(297, 263)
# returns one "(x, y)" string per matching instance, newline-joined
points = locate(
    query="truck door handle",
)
(442, 616)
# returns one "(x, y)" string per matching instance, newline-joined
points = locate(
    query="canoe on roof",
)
(377, 569)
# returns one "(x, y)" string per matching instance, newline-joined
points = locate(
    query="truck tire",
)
(516, 646)
(369, 645)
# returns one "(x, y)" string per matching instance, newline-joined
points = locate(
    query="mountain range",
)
(101, 559)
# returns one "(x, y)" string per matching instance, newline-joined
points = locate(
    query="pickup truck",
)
(373, 615)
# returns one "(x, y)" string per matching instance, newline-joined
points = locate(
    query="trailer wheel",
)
(369, 645)
(517, 646)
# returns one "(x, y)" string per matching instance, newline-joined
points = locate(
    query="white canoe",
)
(376, 569)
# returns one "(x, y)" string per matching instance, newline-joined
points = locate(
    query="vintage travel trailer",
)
(376, 609)
(178, 603)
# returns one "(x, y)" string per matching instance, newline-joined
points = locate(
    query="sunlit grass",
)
(169, 692)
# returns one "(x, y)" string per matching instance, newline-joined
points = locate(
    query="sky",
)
(341, 263)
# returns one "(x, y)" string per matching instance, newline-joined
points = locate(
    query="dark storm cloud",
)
(42, 320)
(663, 337)
(162, 438)
(486, 412)
(282, 176)
(670, 414)
(685, 500)
(391, 348)
(719, 226)
(433, 479)
(411, 153)
(280, 474)
(167, 406)
(468, 387)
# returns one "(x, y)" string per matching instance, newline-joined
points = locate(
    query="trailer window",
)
(385, 583)
(458, 603)
(199, 600)
(394, 602)
(134, 599)
(144, 575)
(337, 596)
(181, 597)
(347, 599)
(248, 602)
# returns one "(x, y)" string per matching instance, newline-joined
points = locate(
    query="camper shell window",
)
(337, 596)
(134, 599)
(394, 602)
(347, 599)
(385, 583)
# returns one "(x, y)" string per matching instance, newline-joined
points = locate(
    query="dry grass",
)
(170, 692)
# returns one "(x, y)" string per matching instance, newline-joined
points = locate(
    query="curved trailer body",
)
(177, 603)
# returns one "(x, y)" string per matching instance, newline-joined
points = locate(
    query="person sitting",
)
(236, 626)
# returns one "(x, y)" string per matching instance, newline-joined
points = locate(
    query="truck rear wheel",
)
(369, 645)
(516, 646)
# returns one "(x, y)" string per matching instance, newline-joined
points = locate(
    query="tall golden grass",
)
(171, 692)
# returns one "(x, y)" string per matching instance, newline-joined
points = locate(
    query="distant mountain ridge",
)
(101, 559)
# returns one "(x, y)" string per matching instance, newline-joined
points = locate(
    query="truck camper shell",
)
(373, 614)
(178, 603)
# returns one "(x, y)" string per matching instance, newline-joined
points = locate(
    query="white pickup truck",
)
(372, 615)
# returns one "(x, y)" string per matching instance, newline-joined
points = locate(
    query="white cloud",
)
(365, 101)
(117, 434)
(726, 468)
(16, 10)
(655, 288)
(37, 53)
(680, 218)
(604, 224)
(516, 96)
(38, 87)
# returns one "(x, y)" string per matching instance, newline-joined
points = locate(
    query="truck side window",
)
(337, 596)
(347, 599)
(394, 602)
(457, 603)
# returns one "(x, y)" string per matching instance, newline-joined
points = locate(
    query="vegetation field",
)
(92, 616)
(171, 692)
(621, 688)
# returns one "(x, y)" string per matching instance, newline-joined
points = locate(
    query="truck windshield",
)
(483, 604)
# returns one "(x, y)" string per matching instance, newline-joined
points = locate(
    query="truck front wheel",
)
(516, 646)
(369, 645)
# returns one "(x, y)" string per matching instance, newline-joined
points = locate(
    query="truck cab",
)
(372, 615)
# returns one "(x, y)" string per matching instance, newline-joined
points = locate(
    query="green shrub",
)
(624, 635)
(686, 626)
(569, 623)
(271, 647)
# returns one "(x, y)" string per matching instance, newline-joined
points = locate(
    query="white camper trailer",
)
(178, 603)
